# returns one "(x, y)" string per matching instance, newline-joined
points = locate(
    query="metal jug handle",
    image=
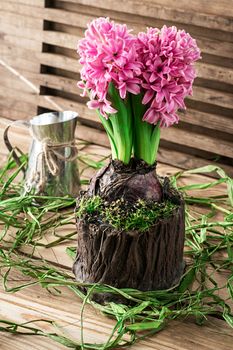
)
(8, 144)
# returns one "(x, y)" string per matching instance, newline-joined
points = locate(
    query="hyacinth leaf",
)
(155, 138)
(220, 172)
(145, 325)
(121, 125)
(187, 280)
(108, 127)
(141, 145)
(147, 136)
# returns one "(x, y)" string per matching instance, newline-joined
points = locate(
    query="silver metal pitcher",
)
(52, 166)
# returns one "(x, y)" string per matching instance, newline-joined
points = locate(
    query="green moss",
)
(122, 215)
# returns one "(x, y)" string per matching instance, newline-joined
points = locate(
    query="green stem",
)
(146, 136)
(109, 130)
(122, 127)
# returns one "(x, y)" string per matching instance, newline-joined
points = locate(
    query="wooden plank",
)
(198, 141)
(66, 40)
(150, 9)
(92, 135)
(9, 342)
(215, 47)
(220, 8)
(184, 160)
(60, 61)
(39, 3)
(27, 80)
(20, 21)
(16, 113)
(8, 103)
(20, 58)
(49, 14)
(59, 83)
(37, 303)
(35, 9)
(13, 39)
(22, 65)
(9, 49)
(27, 33)
(207, 120)
(201, 6)
(65, 104)
(209, 46)
(32, 98)
(211, 96)
(10, 80)
(213, 72)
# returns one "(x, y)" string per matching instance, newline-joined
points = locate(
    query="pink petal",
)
(148, 96)
(108, 109)
(133, 88)
(122, 90)
(151, 116)
(93, 104)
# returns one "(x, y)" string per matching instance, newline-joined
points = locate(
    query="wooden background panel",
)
(20, 40)
(39, 40)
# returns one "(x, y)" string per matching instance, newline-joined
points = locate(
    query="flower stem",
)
(146, 136)
(122, 125)
(108, 128)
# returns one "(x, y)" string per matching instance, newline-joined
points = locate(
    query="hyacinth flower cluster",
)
(136, 83)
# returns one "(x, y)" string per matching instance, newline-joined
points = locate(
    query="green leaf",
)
(142, 326)
(187, 280)
(220, 172)
(155, 139)
(64, 341)
(146, 135)
(228, 318)
(203, 186)
(90, 162)
(108, 127)
(71, 252)
(121, 125)
(11, 178)
(203, 229)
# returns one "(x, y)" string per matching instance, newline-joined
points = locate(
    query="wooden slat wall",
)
(39, 38)
(20, 43)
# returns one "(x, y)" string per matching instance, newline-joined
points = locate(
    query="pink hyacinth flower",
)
(167, 74)
(108, 55)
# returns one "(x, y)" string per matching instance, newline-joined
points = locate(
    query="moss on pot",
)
(123, 215)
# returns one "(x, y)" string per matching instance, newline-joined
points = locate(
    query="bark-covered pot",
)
(148, 260)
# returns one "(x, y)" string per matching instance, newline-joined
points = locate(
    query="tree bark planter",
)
(148, 260)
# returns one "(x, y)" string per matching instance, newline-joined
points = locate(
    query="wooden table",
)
(36, 303)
